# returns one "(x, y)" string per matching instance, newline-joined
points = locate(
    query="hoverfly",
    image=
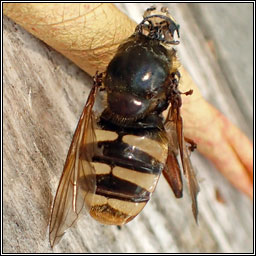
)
(116, 157)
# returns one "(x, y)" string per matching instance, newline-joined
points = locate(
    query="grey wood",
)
(43, 96)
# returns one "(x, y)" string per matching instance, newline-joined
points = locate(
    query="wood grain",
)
(43, 96)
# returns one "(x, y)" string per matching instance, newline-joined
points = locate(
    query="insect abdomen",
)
(127, 168)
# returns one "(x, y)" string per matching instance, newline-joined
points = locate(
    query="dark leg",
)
(97, 79)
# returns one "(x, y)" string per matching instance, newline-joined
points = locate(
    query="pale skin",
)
(89, 34)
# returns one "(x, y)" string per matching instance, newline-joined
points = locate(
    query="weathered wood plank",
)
(43, 96)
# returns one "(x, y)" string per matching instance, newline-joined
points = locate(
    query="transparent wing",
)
(172, 172)
(191, 178)
(174, 125)
(77, 182)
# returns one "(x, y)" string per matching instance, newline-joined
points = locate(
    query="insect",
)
(116, 157)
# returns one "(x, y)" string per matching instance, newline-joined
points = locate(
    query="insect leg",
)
(192, 146)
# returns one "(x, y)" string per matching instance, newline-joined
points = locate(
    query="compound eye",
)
(174, 27)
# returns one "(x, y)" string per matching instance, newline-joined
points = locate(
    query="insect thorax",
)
(135, 79)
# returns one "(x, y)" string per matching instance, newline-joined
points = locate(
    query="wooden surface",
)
(43, 96)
